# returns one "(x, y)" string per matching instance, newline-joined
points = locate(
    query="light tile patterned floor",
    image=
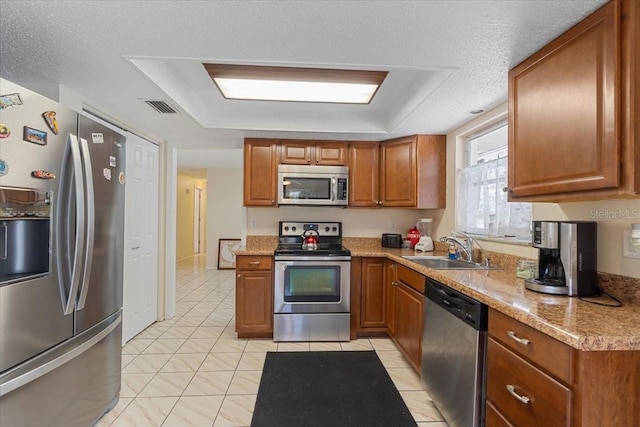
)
(192, 370)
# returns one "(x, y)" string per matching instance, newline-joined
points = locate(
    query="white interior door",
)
(141, 237)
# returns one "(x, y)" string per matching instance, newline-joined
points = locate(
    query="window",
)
(482, 206)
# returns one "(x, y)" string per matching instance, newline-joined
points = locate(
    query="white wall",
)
(355, 222)
(224, 209)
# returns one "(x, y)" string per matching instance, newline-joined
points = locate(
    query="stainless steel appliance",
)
(61, 240)
(313, 185)
(453, 354)
(567, 258)
(312, 286)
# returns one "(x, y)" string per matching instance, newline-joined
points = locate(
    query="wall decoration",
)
(4, 168)
(5, 132)
(227, 253)
(52, 122)
(10, 100)
(34, 135)
(40, 174)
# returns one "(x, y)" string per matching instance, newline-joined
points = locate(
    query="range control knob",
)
(293, 228)
(335, 228)
(286, 228)
(326, 229)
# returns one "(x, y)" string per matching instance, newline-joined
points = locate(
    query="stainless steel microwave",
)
(313, 185)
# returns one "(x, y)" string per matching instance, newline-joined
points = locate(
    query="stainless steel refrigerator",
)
(62, 188)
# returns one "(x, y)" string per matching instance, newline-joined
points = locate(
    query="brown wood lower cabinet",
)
(254, 296)
(372, 300)
(535, 380)
(522, 392)
(408, 323)
(404, 292)
(389, 298)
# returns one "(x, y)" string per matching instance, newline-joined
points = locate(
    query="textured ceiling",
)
(91, 48)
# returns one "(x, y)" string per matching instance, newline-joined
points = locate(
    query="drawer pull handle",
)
(513, 336)
(254, 262)
(511, 389)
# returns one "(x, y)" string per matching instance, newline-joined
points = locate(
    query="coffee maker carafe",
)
(567, 258)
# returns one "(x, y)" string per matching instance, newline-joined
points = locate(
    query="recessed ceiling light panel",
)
(295, 84)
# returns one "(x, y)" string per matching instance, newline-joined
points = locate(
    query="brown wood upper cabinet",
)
(301, 152)
(260, 172)
(404, 172)
(573, 107)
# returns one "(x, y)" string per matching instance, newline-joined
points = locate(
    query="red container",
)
(413, 235)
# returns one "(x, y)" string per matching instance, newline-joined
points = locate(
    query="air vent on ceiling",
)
(161, 107)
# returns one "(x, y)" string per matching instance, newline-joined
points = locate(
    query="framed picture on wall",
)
(227, 253)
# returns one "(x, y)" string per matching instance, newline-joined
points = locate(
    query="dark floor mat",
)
(328, 388)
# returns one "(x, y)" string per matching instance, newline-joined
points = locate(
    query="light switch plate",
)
(629, 250)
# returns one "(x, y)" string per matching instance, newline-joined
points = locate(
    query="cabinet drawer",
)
(493, 418)
(549, 402)
(548, 353)
(411, 278)
(252, 262)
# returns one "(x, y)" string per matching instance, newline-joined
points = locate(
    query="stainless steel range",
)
(311, 295)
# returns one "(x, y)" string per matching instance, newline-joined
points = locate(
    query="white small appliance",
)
(425, 244)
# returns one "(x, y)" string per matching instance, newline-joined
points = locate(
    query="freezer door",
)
(103, 152)
(72, 385)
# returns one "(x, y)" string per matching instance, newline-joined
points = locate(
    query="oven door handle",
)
(313, 258)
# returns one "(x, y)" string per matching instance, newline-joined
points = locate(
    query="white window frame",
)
(497, 223)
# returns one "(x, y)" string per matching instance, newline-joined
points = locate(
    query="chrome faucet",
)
(466, 247)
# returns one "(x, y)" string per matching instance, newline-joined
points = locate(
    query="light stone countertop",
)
(575, 322)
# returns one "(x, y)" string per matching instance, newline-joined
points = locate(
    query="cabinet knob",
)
(239, 275)
(505, 189)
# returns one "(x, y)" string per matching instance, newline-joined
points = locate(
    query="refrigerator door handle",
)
(5, 246)
(72, 149)
(90, 221)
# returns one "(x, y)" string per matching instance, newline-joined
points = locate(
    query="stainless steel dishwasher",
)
(453, 354)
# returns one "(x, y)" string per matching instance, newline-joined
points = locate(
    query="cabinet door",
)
(296, 152)
(254, 303)
(372, 311)
(398, 172)
(364, 174)
(390, 283)
(563, 112)
(331, 153)
(409, 319)
(260, 172)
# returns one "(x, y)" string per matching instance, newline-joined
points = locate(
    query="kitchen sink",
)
(444, 263)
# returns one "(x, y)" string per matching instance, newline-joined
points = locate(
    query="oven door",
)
(312, 285)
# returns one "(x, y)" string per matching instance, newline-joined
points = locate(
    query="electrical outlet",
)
(253, 223)
(629, 249)
(394, 225)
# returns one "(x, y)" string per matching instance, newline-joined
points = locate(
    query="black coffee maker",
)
(567, 258)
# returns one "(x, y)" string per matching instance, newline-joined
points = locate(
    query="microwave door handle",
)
(334, 189)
